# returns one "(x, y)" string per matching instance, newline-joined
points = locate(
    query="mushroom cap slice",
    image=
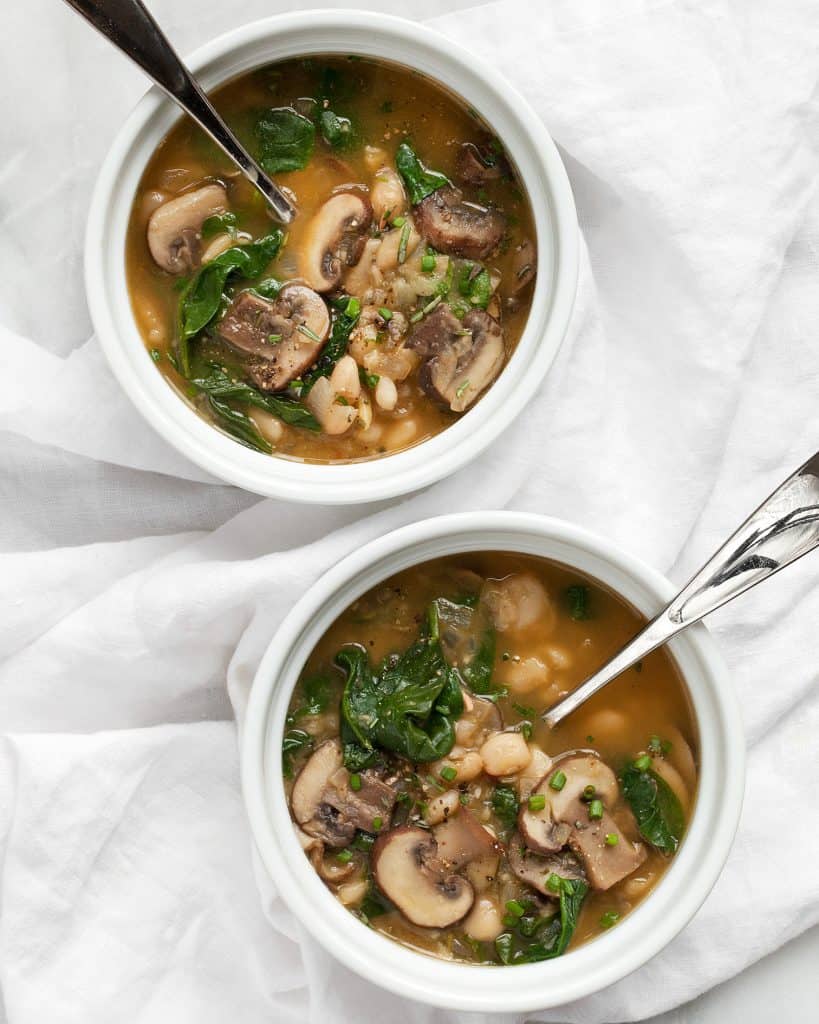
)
(374, 799)
(534, 868)
(605, 864)
(461, 371)
(458, 228)
(174, 238)
(284, 336)
(335, 239)
(538, 829)
(315, 816)
(473, 169)
(407, 870)
(462, 839)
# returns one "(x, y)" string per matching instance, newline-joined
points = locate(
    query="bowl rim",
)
(543, 174)
(595, 965)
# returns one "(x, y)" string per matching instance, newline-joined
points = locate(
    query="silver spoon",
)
(782, 529)
(132, 29)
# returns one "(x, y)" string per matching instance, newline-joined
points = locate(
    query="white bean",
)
(442, 807)
(505, 753)
(386, 393)
(483, 922)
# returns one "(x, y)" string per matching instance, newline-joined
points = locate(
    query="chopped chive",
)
(515, 908)
(554, 882)
(423, 312)
(643, 763)
(385, 314)
(377, 822)
(355, 782)
(399, 222)
(596, 810)
(655, 745)
(428, 262)
(274, 339)
(305, 330)
(589, 792)
(557, 781)
(344, 856)
(537, 802)
(402, 243)
(461, 389)
(609, 918)
(612, 839)
(156, 355)
(463, 799)
(448, 773)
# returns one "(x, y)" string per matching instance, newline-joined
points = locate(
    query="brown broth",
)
(388, 103)
(647, 700)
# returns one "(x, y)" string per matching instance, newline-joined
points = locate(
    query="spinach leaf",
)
(219, 224)
(420, 180)
(337, 131)
(578, 599)
(285, 139)
(532, 940)
(506, 806)
(345, 317)
(316, 692)
(239, 425)
(410, 707)
(658, 812)
(218, 385)
(202, 296)
(294, 741)
(477, 287)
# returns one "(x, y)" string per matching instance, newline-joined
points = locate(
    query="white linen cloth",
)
(138, 595)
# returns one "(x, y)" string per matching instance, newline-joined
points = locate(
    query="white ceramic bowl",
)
(532, 151)
(647, 929)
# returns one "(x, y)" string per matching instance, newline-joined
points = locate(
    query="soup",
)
(393, 300)
(434, 802)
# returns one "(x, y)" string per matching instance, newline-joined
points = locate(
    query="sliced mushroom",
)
(369, 807)
(283, 335)
(464, 367)
(606, 862)
(438, 331)
(335, 239)
(474, 168)
(407, 870)
(174, 228)
(331, 869)
(462, 839)
(459, 228)
(534, 869)
(539, 829)
(316, 817)
(479, 717)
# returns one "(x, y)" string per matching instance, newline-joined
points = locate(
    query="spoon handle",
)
(131, 28)
(782, 529)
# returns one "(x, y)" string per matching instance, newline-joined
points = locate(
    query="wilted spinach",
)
(202, 296)
(220, 386)
(409, 707)
(505, 804)
(532, 938)
(475, 286)
(285, 138)
(657, 810)
(239, 425)
(337, 131)
(578, 600)
(421, 181)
